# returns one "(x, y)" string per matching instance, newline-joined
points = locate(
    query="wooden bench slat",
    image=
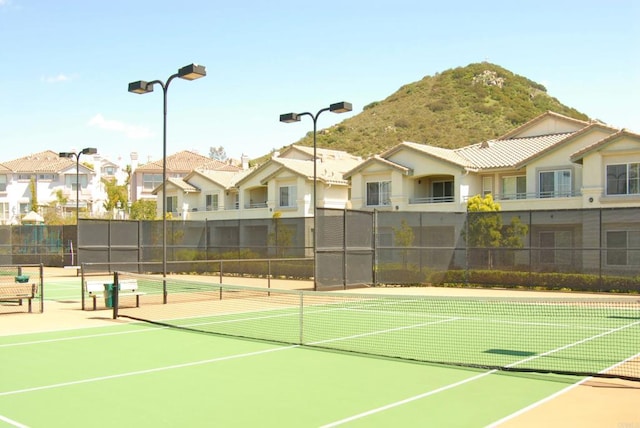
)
(19, 292)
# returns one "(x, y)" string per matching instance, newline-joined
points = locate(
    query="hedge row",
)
(513, 279)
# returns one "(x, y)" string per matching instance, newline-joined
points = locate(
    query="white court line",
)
(407, 400)
(140, 372)
(177, 366)
(557, 394)
(89, 336)
(12, 422)
(354, 417)
(428, 393)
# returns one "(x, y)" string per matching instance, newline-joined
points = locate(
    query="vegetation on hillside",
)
(455, 108)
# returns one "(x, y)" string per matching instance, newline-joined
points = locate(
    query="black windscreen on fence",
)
(591, 249)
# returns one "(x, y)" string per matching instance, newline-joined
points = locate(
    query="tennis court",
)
(190, 367)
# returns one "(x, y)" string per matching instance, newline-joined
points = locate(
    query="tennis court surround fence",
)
(593, 249)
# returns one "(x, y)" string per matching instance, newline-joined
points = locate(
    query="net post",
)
(164, 290)
(301, 339)
(41, 269)
(82, 287)
(115, 290)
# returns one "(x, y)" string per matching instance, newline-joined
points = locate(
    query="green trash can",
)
(22, 278)
(108, 295)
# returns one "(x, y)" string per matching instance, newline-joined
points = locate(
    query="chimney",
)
(134, 161)
(244, 159)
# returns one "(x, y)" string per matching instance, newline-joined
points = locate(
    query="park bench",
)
(17, 292)
(127, 287)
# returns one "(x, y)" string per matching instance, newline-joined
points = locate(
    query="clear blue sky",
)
(66, 65)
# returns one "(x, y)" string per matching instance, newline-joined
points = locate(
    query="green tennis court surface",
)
(564, 335)
(218, 355)
(141, 375)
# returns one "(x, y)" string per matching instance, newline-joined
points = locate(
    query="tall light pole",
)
(86, 151)
(188, 72)
(341, 107)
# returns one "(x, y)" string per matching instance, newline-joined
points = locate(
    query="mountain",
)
(455, 108)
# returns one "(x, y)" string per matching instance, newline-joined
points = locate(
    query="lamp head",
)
(289, 117)
(192, 72)
(66, 154)
(341, 107)
(140, 87)
(89, 151)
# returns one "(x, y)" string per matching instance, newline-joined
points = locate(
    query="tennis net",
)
(597, 336)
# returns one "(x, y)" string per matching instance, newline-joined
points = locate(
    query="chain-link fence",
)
(596, 249)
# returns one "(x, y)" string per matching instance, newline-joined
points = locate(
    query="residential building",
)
(49, 179)
(146, 178)
(539, 165)
(543, 172)
(282, 184)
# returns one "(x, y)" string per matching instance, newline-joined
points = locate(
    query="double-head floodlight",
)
(85, 151)
(188, 72)
(341, 107)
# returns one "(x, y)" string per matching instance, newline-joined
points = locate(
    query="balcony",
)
(432, 200)
(254, 205)
(536, 195)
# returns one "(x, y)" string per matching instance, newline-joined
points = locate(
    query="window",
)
(3, 183)
(4, 211)
(514, 187)
(109, 170)
(623, 179)
(151, 181)
(623, 248)
(287, 196)
(211, 201)
(47, 177)
(172, 204)
(378, 193)
(442, 191)
(70, 181)
(487, 186)
(555, 184)
(555, 247)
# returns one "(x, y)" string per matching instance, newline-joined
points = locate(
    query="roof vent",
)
(485, 144)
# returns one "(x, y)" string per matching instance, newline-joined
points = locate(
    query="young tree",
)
(280, 236)
(34, 194)
(485, 228)
(403, 237)
(115, 193)
(143, 210)
(53, 215)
